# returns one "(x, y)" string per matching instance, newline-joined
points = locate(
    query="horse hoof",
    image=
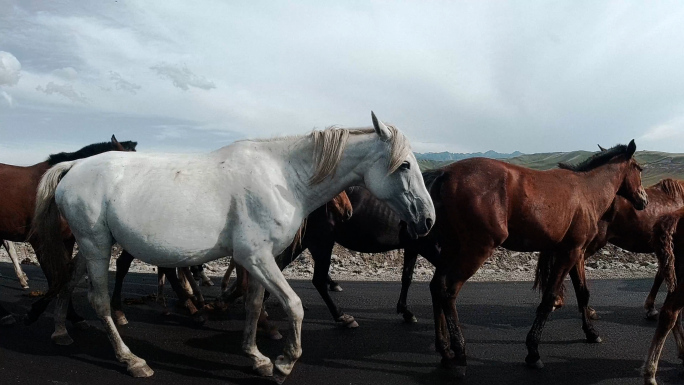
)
(278, 374)
(652, 314)
(592, 314)
(140, 370)
(348, 321)
(62, 339)
(265, 370)
(208, 283)
(650, 381)
(410, 319)
(275, 335)
(336, 288)
(536, 365)
(8, 320)
(82, 325)
(594, 339)
(120, 319)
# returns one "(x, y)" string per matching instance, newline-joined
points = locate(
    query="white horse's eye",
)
(405, 166)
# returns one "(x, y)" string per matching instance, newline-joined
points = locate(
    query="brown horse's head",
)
(340, 207)
(123, 146)
(631, 188)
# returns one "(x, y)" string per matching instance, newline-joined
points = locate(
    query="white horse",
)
(247, 200)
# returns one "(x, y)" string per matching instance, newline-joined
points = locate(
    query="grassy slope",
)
(657, 165)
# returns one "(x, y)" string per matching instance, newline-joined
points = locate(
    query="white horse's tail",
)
(46, 228)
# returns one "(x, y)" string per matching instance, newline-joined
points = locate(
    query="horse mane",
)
(89, 150)
(598, 159)
(673, 188)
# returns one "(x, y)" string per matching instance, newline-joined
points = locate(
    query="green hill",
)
(657, 165)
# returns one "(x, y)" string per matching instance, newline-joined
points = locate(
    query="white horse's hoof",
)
(8, 320)
(650, 381)
(652, 314)
(62, 339)
(140, 370)
(265, 370)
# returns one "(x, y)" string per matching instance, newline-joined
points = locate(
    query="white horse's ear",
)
(381, 129)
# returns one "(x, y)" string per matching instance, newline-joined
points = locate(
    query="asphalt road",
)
(383, 350)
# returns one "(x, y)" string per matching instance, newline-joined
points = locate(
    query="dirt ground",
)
(504, 265)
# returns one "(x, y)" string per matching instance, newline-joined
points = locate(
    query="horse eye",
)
(405, 166)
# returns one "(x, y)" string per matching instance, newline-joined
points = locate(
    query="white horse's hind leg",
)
(253, 301)
(60, 335)
(98, 266)
(23, 279)
(265, 270)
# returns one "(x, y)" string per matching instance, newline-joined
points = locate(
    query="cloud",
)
(669, 130)
(7, 98)
(123, 84)
(10, 69)
(66, 90)
(68, 73)
(182, 77)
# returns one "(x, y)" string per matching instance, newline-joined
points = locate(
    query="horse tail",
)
(543, 273)
(46, 227)
(663, 234)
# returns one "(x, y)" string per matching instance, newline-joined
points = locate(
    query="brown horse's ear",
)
(601, 148)
(631, 148)
(117, 145)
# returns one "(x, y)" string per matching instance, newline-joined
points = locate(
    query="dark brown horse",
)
(630, 229)
(18, 186)
(374, 228)
(668, 242)
(483, 203)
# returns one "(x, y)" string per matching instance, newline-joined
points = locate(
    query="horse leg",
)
(321, 253)
(410, 257)
(98, 266)
(60, 335)
(442, 343)
(12, 252)
(182, 294)
(206, 281)
(666, 321)
(123, 265)
(577, 275)
(649, 305)
(196, 292)
(263, 269)
(564, 262)
(254, 298)
(332, 285)
(226, 276)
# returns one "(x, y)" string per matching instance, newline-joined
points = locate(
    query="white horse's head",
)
(395, 178)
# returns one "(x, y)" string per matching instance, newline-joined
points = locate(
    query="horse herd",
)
(264, 202)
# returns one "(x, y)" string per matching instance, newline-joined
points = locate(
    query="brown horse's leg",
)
(123, 265)
(321, 252)
(410, 256)
(666, 321)
(561, 266)
(196, 291)
(649, 305)
(182, 294)
(577, 275)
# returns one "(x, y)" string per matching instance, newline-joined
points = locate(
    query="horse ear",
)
(601, 148)
(116, 144)
(381, 129)
(631, 148)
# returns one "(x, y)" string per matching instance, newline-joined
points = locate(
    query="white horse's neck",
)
(360, 153)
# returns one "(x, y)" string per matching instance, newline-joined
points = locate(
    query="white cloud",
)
(68, 73)
(10, 69)
(123, 84)
(66, 90)
(182, 77)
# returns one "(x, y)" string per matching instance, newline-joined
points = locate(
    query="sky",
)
(459, 76)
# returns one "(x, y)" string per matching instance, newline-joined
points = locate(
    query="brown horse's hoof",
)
(61, 339)
(120, 318)
(82, 325)
(8, 320)
(335, 287)
(652, 314)
(410, 318)
(265, 370)
(591, 313)
(140, 370)
(348, 321)
(594, 339)
(538, 364)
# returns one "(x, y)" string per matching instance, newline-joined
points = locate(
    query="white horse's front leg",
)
(263, 268)
(253, 301)
(99, 299)
(12, 252)
(61, 336)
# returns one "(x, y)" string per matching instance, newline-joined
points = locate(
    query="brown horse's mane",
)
(673, 188)
(598, 159)
(89, 150)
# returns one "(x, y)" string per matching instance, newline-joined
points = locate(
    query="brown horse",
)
(484, 203)
(18, 186)
(668, 242)
(630, 229)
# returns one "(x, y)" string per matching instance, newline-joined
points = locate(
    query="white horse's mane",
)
(329, 144)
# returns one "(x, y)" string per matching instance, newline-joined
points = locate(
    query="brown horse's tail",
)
(543, 273)
(46, 228)
(663, 232)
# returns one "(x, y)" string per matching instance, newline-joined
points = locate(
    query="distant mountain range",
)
(443, 156)
(657, 165)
